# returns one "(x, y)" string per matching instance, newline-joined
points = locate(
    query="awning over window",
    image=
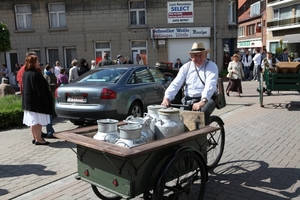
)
(293, 38)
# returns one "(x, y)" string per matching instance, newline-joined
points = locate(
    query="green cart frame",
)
(277, 82)
(163, 169)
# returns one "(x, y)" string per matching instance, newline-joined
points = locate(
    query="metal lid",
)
(130, 127)
(156, 107)
(107, 121)
(170, 110)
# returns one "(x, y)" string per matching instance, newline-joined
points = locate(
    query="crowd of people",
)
(249, 67)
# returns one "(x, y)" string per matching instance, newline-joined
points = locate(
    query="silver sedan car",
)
(114, 91)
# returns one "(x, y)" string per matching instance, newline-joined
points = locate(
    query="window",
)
(232, 12)
(137, 10)
(251, 29)
(157, 75)
(273, 46)
(70, 54)
(100, 49)
(139, 47)
(255, 9)
(276, 15)
(241, 31)
(57, 15)
(52, 56)
(23, 17)
(298, 10)
(285, 13)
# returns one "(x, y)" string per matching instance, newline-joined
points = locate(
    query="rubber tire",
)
(135, 110)
(215, 143)
(101, 196)
(178, 163)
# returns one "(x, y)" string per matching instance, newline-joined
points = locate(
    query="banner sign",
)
(180, 12)
(160, 33)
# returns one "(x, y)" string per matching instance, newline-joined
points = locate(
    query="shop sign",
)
(159, 33)
(249, 43)
(180, 12)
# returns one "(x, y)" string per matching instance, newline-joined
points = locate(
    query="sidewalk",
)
(260, 161)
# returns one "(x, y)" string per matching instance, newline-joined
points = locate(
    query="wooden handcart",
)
(286, 77)
(169, 168)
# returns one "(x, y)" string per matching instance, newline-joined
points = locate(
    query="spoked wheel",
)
(215, 142)
(184, 177)
(105, 195)
(261, 92)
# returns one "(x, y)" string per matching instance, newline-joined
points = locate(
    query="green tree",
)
(5, 44)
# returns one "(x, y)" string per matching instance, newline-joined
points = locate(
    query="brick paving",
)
(260, 161)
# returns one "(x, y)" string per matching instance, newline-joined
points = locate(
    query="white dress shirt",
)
(193, 86)
(257, 59)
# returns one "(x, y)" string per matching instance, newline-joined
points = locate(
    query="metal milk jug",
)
(170, 123)
(153, 115)
(107, 130)
(130, 136)
(146, 132)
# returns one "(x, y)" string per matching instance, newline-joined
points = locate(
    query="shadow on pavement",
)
(292, 106)
(61, 144)
(20, 170)
(254, 177)
(3, 192)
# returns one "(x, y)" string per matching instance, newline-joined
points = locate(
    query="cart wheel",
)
(216, 142)
(261, 92)
(183, 177)
(107, 196)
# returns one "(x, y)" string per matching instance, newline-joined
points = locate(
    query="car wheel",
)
(135, 110)
(77, 123)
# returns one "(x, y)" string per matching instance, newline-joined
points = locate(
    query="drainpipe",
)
(215, 32)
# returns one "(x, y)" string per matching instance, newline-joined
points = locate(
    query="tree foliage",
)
(5, 44)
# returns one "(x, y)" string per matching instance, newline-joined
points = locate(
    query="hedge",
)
(11, 113)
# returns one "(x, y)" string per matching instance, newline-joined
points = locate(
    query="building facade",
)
(158, 30)
(283, 26)
(252, 24)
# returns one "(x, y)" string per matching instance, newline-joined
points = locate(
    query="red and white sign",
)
(180, 12)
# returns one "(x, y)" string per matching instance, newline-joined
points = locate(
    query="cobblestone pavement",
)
(260, 161)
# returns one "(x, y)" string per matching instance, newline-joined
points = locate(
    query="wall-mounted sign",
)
(249, 43)
(158, 33)
(180, 12)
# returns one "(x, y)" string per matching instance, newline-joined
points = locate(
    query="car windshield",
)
(102, 75)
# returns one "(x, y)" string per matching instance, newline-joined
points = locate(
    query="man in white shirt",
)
(57, 68)
(247, 59)
(200, 77)
(257, 62)
(120, 59)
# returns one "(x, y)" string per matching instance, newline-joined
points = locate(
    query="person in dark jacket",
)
(37, 101)
(83, 67)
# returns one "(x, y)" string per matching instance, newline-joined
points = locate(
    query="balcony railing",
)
(283, 22)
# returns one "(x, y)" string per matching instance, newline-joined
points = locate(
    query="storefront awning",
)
(293, 38)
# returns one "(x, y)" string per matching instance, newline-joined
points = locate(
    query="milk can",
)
(146, 132)
(170, 123)
(153, 115)
(107, 130)
(130, 135)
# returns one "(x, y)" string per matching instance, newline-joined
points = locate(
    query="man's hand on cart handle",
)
(166, 102)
